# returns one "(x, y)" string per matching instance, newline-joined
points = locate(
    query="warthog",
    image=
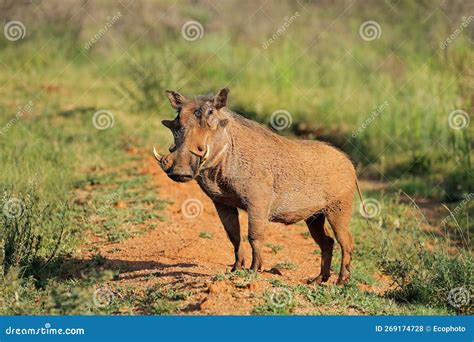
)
(239, 163)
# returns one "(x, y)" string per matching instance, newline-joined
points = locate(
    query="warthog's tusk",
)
(158, 157)
(205, 156)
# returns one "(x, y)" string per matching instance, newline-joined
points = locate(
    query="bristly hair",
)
(256, 126)
(204, 98)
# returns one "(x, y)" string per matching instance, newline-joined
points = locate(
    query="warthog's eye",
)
(198, 112)
(211, 111)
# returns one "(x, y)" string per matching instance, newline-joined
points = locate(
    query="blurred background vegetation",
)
(78, 57)
(319, 69)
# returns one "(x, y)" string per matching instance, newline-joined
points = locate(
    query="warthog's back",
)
(306, 176)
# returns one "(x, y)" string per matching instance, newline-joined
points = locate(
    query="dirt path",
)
(178, 255)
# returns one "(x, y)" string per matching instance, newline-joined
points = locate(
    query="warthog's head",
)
(199, 134)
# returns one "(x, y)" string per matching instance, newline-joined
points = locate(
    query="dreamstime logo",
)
(287, 21)
(111, 199)
(458, 119)
(372, 206)
(467, 198)
(108, 24)
(375, 113)
(13, 208)
(192, 30)
(14, 30)
(280, 119)
(464, 24)
(103, 119)
(370, 30)
(192, 208)
(459, 296)
(281, 297)
(190, 122)
(102, 297)
(19, 114)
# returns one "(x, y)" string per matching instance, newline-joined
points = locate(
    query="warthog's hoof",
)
(322, 278)
(342, 281)
(257, 266)
(239, 265)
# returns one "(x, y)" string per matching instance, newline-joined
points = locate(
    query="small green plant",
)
(156, 301)
(278, 283)
(173, 294)
(278, 301)
(306, 235)
(118, 235)
(245, 278)
(275, 248)
(206, 235)
(240, 278)
(98, 259)
(285, 265)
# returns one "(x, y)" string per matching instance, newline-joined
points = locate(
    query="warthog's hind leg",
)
(230, 219)
(315, 224)
(339, 217)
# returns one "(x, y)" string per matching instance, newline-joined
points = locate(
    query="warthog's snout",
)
(180, 175)
(175, 172)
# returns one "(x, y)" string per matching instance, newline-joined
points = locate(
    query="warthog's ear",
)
(168, 123)
(220, 100)
(176, 99)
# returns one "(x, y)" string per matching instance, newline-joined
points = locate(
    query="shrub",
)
(19, 295)
(429, 277)
(31, 236)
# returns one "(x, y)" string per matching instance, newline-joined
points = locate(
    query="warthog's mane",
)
(253, 125)
(205, 98)
(243, 121)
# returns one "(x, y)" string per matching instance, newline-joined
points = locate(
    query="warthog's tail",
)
(362, 201)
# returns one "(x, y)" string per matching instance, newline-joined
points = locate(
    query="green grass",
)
(285, 265)
(155, 300)
(274, 248)
(240, 278)
(72, 178)
(206, 235)
(277, 302)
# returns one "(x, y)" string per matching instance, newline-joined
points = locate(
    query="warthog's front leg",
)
(257, 224)
(230, 219)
